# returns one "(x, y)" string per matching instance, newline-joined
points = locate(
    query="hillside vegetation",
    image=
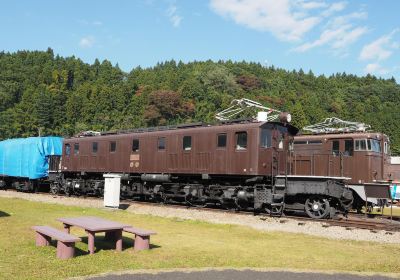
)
(54, 95)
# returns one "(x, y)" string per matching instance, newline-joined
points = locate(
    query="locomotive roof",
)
(238, 124)
(359, 135)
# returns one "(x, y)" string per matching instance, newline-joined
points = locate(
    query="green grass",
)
(179, 244)
(386, 211)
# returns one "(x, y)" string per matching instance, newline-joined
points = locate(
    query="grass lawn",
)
(179, 244)
(395, 211)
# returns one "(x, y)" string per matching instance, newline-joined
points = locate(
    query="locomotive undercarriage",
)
(318, 198)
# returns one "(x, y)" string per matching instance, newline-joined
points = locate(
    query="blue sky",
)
(325, 36)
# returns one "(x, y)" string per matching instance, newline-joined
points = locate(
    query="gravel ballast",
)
(261, 223)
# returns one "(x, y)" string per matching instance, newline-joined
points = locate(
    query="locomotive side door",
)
(220, 156)
(341, 157)
(348, 158)
(240, 163)
(65, 160)
(335, 157)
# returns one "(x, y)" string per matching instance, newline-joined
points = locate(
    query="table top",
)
(92, 223)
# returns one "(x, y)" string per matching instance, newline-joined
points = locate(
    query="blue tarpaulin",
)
(395, 189)
(27, 157)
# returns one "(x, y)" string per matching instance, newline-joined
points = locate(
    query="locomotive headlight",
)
(285, 117)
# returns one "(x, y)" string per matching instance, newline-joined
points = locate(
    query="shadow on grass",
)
(4, 214)
(102, 244)
(123, 206)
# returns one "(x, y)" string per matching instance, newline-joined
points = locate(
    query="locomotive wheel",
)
(274, 210)
(317, 207)
(54, 189)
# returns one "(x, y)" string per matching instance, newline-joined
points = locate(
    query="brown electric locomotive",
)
(363, 157)
(241, 165)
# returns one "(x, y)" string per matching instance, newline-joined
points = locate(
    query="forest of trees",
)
(44, 93)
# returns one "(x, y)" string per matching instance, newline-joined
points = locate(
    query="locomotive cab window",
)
(221, 140)
(135, 145)
(94, 147)
(368, 145)
(266, 138)
(348, 147)
(187, 143)
(76, 149)
(386, 148)
(375, 145)
(113, 146)
(161, 143)
(241, 140)
(67, 149)
(361, 145)
(335, 147)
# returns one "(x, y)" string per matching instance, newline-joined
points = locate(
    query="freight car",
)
(25, 162)
(353, 152)
(240, 165)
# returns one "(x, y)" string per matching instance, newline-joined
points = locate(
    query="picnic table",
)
(92, 225)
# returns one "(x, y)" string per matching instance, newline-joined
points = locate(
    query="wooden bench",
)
(65, 241)
(142, 237)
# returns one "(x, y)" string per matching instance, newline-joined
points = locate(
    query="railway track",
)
(352, 221)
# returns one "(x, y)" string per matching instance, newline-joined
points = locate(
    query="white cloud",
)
(312, 5)
(287, 20)
(339, 33)
(334, 8)
(380, 49)
(346, 19)
(173, 15)
(87, 42)
(348, 37)
(375, 68)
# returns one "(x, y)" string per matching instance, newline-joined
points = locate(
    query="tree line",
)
(46, 94)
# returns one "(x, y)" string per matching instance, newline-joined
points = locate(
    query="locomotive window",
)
(161, 143)
(335, 147)
(314, 142)
(307, 142)
(348, 147)
(67, 149)
(376, 145)
(241, 140)
(361, 145)
(187, 143)
(266, 138)
(76, 148)
(94, 147)
(386, 148)
(135, 145)
(221, 140)
(369, 145)
(113, 146)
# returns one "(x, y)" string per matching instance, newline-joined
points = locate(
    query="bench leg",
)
(91, 235)
(42, 240)
(65, 250)
(118, 240)
(141, 243)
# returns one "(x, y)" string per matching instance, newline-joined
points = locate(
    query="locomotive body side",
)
(359, 156)
(222, 150)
